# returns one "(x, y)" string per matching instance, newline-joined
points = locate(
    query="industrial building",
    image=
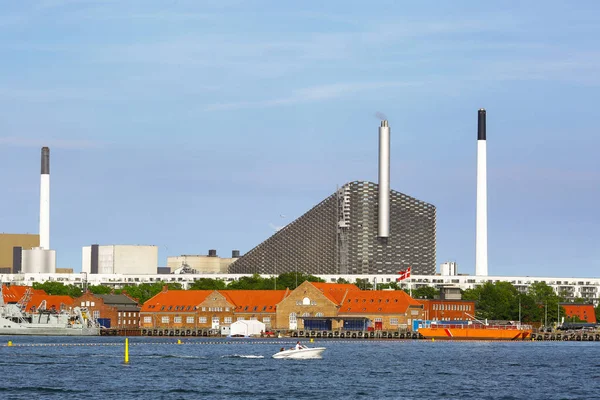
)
(201, 264)
(340, 236)
(11, 250)
(362, 228)
(119, 259)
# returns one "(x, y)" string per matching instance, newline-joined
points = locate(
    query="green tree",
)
(58, 288)
(208, 284)
(292, 280)
(425, 292)
(99, 289)
(145, 291)
(363, 284)
(472, 294)
(497, 301)
(254, 282)
(548, 302)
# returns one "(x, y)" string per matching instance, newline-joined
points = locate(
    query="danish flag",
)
(403, 274)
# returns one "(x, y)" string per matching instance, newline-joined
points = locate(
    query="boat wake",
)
(242, 356)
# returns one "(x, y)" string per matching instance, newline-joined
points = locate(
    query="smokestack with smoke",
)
(383, 226)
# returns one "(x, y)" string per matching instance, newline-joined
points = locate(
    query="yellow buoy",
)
(126, 350)
(178, 341)
(9, 343)
(433, 339)
(312, 340)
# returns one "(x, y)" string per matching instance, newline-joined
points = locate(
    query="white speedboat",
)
(301, 354)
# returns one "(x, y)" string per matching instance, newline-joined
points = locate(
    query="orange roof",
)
(13, 293)
(335, 291)
(377, 301)
(254, 300)
(177, 300)
(52, 301)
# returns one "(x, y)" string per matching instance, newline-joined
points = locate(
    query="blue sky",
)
(194, 125)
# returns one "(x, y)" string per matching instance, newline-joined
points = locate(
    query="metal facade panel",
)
(339, 235)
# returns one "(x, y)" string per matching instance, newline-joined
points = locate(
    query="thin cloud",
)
(309, 95)
(76, 144)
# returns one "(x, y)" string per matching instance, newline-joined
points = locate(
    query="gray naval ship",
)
(14, 320)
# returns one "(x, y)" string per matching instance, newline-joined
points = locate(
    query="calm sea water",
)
(219, 369)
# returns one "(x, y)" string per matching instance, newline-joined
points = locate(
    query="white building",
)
(449, 269)
(120, 259)
(202, 264)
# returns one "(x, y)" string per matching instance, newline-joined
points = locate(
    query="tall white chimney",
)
(481, 253)
(45, 200)
(383, 225)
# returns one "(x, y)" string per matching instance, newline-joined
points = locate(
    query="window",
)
(253, 319)
(227, 320)
(189, 320)
(393, 321)
(83, 304)
(267, 320)
(202, 320)
(203, 308)
(378, 319)
(293, 317)
(96, 314)
(240, 318)
(177, 320)
(119, 314)
(93, 304)
(226, 308)
(319, 314)
(306, 301)
(165, 320)
(147, 320)
(306, 314)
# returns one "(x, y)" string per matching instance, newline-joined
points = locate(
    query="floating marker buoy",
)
(9, 343)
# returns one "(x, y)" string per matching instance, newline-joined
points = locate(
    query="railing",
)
(480, 326)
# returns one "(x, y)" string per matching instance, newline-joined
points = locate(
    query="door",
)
(215, 322)
(293, 322)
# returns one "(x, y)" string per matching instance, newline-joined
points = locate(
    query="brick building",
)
(584, 312)
(384, 309)
(172, 309)
(311, 299)
(111, 310)
(194, 310)
(448, 310)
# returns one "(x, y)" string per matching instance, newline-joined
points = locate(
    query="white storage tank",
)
(39, 261)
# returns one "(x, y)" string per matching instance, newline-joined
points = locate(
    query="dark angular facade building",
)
(339, 236)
